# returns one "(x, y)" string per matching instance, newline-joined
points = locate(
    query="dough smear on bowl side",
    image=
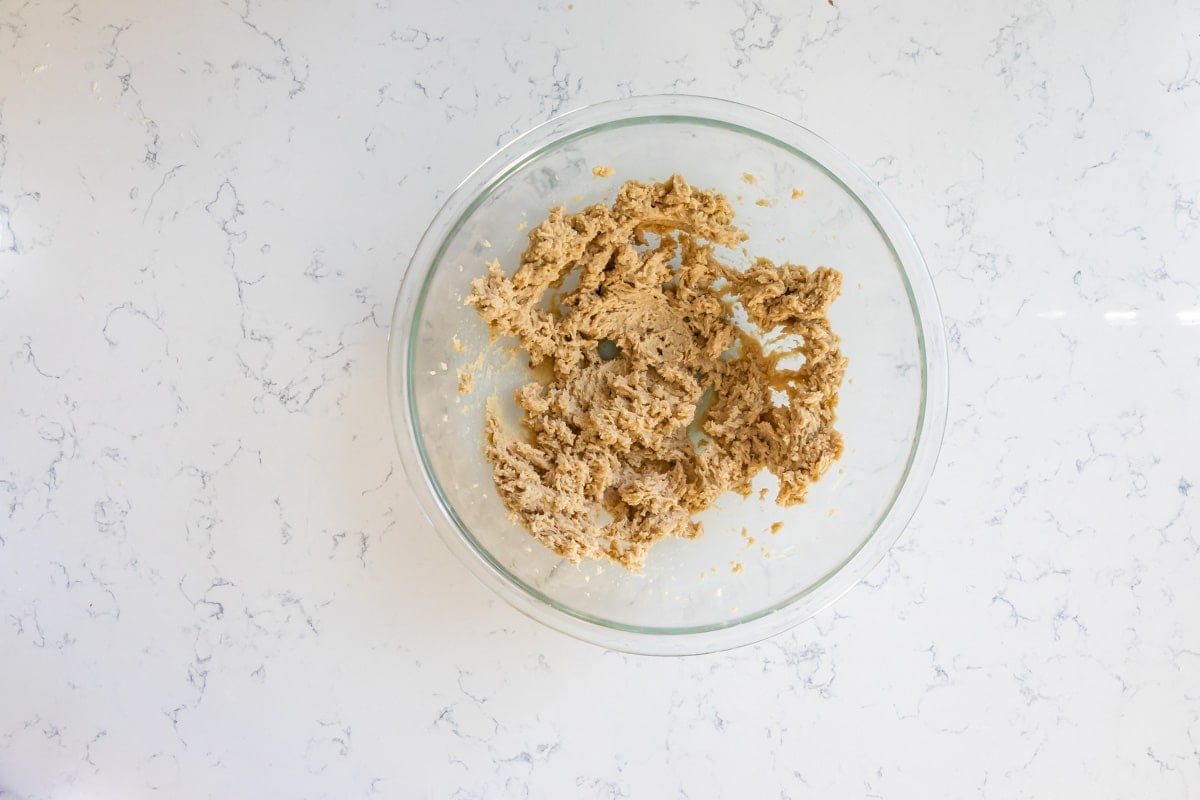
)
(644, 350)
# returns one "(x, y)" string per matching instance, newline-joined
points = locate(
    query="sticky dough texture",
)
(613, 434)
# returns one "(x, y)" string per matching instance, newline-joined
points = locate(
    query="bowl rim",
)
(915, 276)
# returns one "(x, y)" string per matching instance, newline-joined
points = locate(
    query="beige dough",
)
(610, 433)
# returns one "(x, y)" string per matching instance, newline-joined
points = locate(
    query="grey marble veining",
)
(215, 583)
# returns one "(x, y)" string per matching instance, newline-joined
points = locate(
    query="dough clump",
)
(631, 317)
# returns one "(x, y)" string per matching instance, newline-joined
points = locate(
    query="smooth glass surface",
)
(806, 204)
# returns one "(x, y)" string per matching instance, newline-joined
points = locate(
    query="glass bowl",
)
(759, 568)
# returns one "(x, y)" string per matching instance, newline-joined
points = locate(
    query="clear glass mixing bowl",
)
(808, 204)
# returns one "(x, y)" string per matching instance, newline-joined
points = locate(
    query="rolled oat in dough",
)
(644, 350)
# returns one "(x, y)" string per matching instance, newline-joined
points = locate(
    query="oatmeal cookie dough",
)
(644, 349)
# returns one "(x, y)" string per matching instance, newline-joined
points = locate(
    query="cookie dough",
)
(656, 402)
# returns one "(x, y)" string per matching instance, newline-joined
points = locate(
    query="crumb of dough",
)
(763, 492)
(458, 346)
(522, 225)
(703, 576)
(832, 511)
(627, 356)
(764, 202)
(748, 178)
(745, 533)
(737, 567)
(797, 194)
(776, 527)
(466, 376)
(749, 541)
(602, 172)
(487, 243)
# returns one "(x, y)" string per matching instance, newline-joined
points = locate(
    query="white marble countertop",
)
(214, 582)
